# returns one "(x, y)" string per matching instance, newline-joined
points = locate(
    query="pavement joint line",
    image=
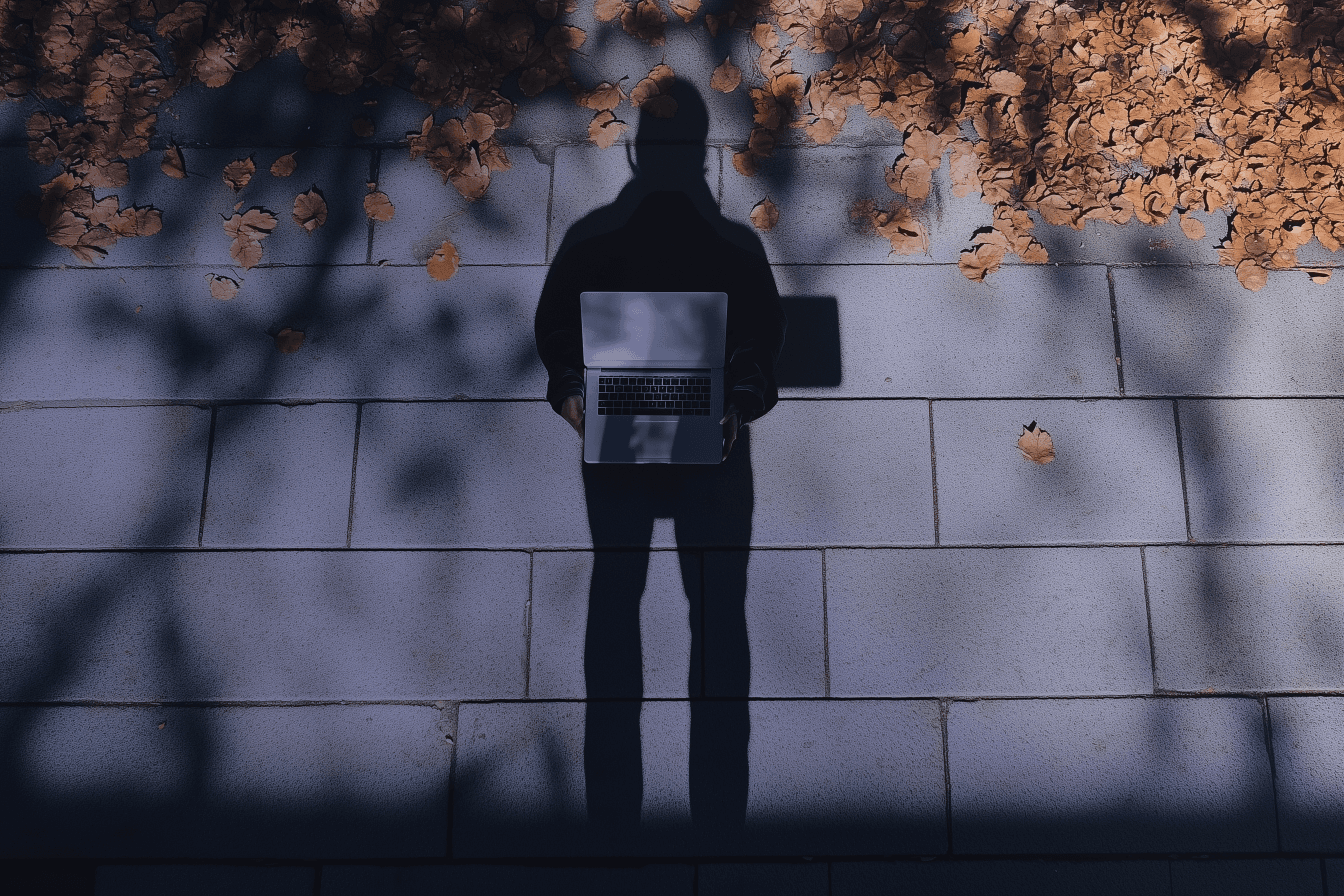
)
(825, 631)
(1273, 770)
(624, 861)
(1115, 331)
(550, 205)
(933, 473)
(354, 472)
(527, 624)
(943, 707)
(1180, 458)
(375, 171)
(1148, 613)
(205, 487)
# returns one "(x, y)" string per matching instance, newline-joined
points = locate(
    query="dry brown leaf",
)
(1192, 227)
(606, 10)
(378, 207)
(765, 215)
(238, 172)
(289, 341)
(605, 129)
(137, 221)
(1036, 444)
(1252, 275)
(310, 210)
(173, 164)
(726, 77)
(362, 127)
(645, 21)
(443, 263)
(283, 166)
(685, 9)
(222, 288)
(1006, 83)
(605, 97)
(1319, 276)
(246, 252)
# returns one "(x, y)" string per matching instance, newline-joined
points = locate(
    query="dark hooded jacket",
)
(666, 246)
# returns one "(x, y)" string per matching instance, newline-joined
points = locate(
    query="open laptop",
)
(654, 376)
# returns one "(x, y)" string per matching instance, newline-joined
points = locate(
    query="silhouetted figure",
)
(664, 232)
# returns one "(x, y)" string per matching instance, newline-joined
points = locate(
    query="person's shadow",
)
(664, 232)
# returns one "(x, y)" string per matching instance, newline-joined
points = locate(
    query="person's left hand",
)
(731, 423)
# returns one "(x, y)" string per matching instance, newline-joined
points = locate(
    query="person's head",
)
(670, 151)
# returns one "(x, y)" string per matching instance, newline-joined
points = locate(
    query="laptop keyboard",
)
(676, 396)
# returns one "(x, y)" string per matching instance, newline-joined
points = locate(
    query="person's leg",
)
(618, 514)
(714, 513)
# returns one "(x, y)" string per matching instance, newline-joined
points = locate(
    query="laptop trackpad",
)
(652, 439)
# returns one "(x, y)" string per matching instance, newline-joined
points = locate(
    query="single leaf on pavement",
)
(685, 9)
(362, 127)
(443, 263)
(605, 129)
(378, 207)
(1319, 276)
(1192, 227)
(310, 210)
(173, 164)
(137, 221)
(238, 172)
(283, 166)
(726, 77)
(1036, 444)
(222, 288)
(765, 215)
(1252, 275)
(289, 341)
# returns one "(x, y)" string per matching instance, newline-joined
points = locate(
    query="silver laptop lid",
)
(654, 329)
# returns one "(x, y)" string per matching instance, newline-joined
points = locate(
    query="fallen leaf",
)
(1192, 227)
(726, 77)
(238, 172)
(443, 263)
(378, 207)
(173, 164)
(1252, 275)
(606, 10)
(1036, 444)
(362, 127)
(289, 341)
(222, 288)
(310, 210)
(765, 215)
(283, 166)
(605, 97)
(605, 129)
(685, 9)
(1319, 276)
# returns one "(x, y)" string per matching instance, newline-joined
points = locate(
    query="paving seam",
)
(1148, 612)
(1180, 457)
(354, 472)
(569, 549)
(1115, 332)
(1273, 769)
(933, 471)
(825, 631)
(205, 488)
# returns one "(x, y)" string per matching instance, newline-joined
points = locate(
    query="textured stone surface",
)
(303, 782)
(1134, 243)
(1247, 618)
(506, 226)
(815, 188)
(262, 626)
(1244, 486)
(1247, 877)
(952, 877)
(925, 330)
(93, 477)
(1120, 775)
(280, 476)
(1197, 331)
(786, 650)
(806, 879)
(660, 628)
(388, 332)
(987, 622)
(1115, 476)
(1309, 771)
(361, 880)
(203, 880)
(845, 777)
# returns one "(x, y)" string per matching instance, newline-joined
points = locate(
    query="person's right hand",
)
(572, 411)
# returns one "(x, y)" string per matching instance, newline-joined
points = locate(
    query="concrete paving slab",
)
(1031, 622)
(165, 782)
(262, 626)
(785, 650)
(25, 243)
(280, 476)
(658, 631)
(1309, 771)
(1247, 618)
(1118, 775)
(102, 477)
(927, 331)
(1003, 877)
(204, 880)
(1100, 242)
(765, 879)
(857, 776)
(194, 209)
(842, 473)
(1334, 872)
(1245, 487)
(1197, 331)
(815, 188)
(1115, 476)
(368, 332)
(1246, 877)
(506, 226)
(456, 475)
(506, 880)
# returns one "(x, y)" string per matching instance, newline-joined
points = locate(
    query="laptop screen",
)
(654, 329)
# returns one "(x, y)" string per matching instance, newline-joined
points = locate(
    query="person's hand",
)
(572, 411)
(731, 422)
